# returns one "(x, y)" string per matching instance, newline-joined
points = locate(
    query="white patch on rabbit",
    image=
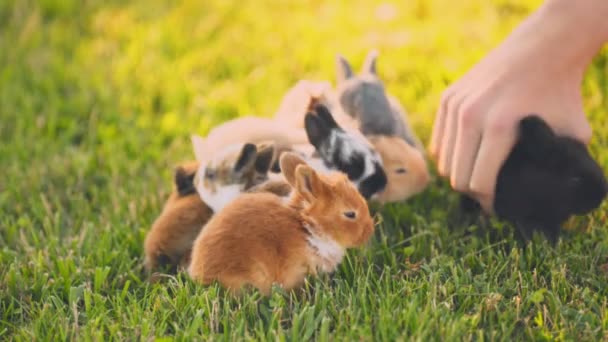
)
(306, 151)
(354, 143)
(369, 167)
(328, 251)
(223, 195)
(286, 200)
(317, 164)
(275, 176)
(228, 152)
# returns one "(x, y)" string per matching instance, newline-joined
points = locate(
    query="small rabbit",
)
(260, 239)
(224, 175)
(363, 98)
(346, 151)
(169, 241)
(545, 180)
(383, 121)
(404, 178)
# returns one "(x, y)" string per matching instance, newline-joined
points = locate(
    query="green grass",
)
(97, 101)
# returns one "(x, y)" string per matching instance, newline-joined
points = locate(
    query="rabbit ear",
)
(324, 113)
(184, 181)
(198, 144)
(344, 70)
(369, 66)
(264, 158)
(316, 129)
(246, 158)
(535, 135)
(308, 183)
(288, 162)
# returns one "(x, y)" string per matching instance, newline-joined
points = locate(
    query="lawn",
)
(97, 102)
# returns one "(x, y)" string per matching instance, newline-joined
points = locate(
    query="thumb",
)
(318, 89)
(582, 129)
(571, 124)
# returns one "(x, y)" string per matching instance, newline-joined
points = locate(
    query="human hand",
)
(296, 102)
(530, 72)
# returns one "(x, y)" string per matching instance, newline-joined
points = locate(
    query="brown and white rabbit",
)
(169, 241)
(228, 172)
(261, 239)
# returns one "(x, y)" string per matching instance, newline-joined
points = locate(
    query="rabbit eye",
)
(401, 170)
(350, 214)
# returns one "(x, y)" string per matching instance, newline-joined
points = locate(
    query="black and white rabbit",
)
(346, 151)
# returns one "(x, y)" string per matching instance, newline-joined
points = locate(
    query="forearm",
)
(564, 34)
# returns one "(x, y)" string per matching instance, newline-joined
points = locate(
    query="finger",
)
(296, 93)
(449, 137)
(317, 89)
(496, 143)
(439, 126)
(301, 86)
(486, 202)
(466, 146)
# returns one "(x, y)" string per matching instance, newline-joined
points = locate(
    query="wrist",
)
(579, 28)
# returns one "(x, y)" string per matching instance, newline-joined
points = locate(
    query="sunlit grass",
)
(97, 101)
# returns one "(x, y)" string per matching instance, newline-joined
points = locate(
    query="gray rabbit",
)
(364, 98)
(379, 116)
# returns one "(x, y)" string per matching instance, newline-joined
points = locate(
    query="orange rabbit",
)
(169, 241)
(261, 239)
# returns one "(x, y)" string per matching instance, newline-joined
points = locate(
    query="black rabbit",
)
(545, 180)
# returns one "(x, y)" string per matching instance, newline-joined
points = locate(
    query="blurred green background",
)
(97, 102)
